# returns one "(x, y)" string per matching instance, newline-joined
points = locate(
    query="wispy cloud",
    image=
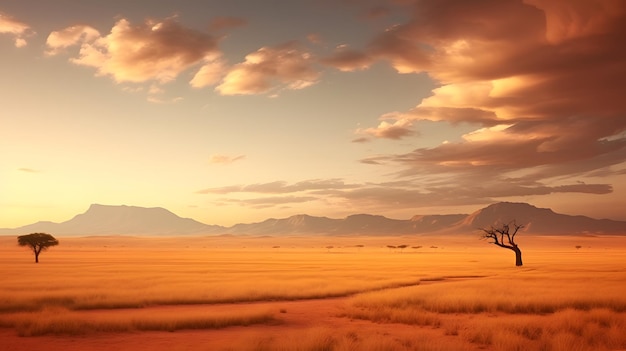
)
(225, 159)
(280, 187)
(268, 201)
(417, 192)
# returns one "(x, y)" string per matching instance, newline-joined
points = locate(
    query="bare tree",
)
(503, 237)
(37, 242)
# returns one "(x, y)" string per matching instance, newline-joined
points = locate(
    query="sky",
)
(234, 111)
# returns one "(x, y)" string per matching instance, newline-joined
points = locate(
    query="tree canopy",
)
(37, 242)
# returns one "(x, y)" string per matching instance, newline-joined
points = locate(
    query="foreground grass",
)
(57, 321)
(559, 308)
(566, 297)
(325, 339)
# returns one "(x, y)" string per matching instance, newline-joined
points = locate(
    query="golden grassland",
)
(439, 293)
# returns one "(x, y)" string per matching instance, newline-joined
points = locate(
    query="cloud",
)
(285, 66)
(270, 201)
(361, 140)
(280, 187)
(541, 81)
(396, 130)
(225, 159)
(211, 72)
(70, 36)
(19, 30)
(417, 192)
(157, 51)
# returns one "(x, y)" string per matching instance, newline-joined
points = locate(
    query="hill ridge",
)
(124, 219)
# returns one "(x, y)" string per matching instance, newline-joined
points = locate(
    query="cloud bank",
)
(540, 79)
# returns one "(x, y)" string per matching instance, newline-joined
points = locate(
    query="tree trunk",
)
(518, 256)
(36, 257)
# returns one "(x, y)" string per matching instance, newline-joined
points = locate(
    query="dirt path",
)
(292, 318)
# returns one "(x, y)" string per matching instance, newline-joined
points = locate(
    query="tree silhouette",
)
(503, 237)
(37, 242)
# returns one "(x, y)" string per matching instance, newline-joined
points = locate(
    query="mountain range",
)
(133, 220)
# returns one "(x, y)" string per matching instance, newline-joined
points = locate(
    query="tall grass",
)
(131, 278)
(536, 309)
(563, 299)
(326, 339)
(57, 321)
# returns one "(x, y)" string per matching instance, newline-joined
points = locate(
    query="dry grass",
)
(454, 294)
(325, 339)
(109, 278)
(559, 304)
(58, 321)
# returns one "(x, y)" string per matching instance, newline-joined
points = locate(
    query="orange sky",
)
(235, 111)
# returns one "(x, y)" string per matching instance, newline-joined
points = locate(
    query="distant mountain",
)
(538, 220)
(298, 224)
(131, 220)
(112, 220)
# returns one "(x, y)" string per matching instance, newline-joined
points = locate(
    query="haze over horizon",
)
(233, 112)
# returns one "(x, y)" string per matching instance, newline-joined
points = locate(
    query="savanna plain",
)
(315, 293)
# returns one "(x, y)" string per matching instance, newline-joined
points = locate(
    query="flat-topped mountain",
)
(132, 220)
(538, 220)
(111, 220)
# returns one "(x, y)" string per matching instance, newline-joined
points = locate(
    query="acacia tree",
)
(37, 242)
(503, 237)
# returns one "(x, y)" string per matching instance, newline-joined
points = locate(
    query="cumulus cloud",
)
(19, 30)
(285, 66)
(542, 81)
(154, 50)
(70, 36)
(396, 130)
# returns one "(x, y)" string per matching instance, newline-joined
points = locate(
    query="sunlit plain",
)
(315, 293)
